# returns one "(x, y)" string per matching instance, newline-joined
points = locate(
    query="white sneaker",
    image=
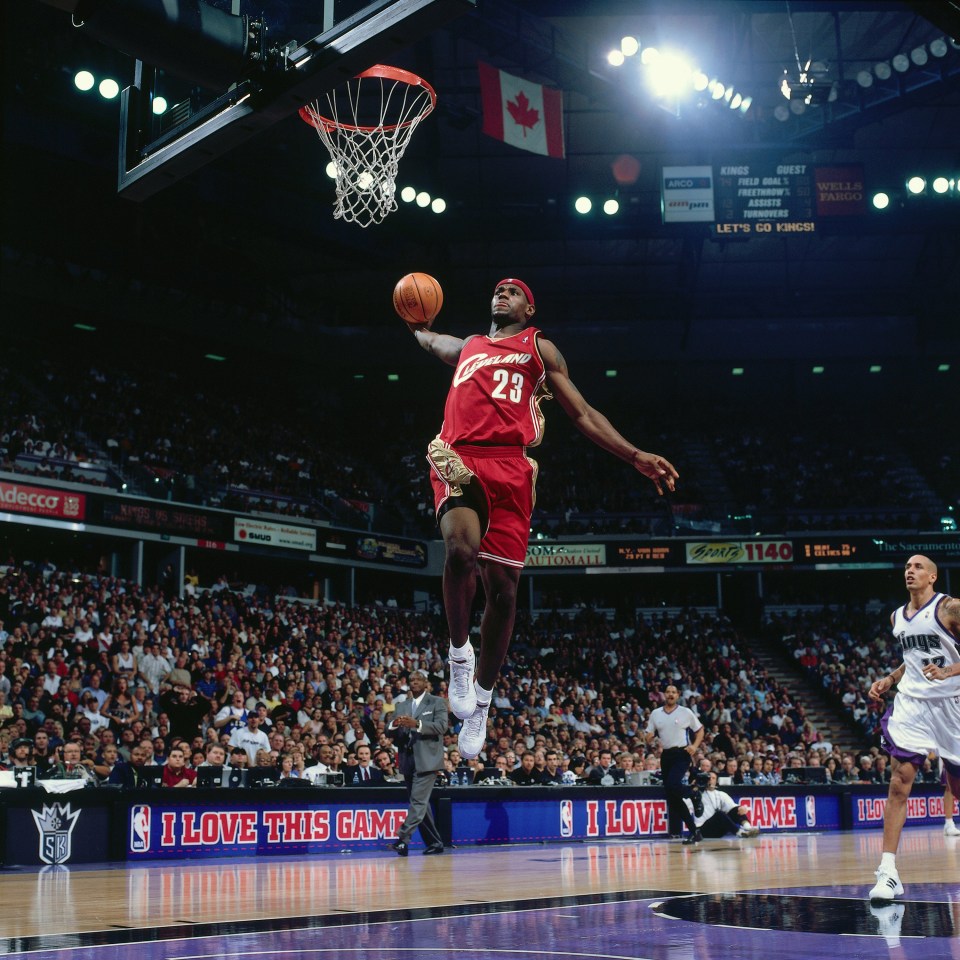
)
(463, 696)
(748, 830)
(950, 829)
(473, 733)
(889, 921)
(888, 885)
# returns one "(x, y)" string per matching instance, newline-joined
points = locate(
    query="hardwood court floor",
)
(795, 896)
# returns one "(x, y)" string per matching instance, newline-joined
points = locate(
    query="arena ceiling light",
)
(881, 201)
(423, 199)
(916, 185)
(84, 80)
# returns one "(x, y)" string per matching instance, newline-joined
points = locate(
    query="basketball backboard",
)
(279, 73)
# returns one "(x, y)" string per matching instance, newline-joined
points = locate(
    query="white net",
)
(366, 125)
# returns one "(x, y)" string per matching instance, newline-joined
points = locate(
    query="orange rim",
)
(383, 72)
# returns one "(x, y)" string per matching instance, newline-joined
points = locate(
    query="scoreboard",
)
(757, 195)
(764, 197)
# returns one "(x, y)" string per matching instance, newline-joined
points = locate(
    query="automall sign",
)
(566, 555)
(42, 501)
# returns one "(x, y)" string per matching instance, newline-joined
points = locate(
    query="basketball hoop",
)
(367, 156)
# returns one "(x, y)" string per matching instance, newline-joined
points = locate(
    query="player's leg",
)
(461, 532)
(952, 791)
(496, 626)
(902, 776)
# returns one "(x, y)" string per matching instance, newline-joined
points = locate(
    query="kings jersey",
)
(496, 392)
(925, 640)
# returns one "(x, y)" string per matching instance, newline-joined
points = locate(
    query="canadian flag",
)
(524, 114)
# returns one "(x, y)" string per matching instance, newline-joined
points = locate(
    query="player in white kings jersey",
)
(925, 715)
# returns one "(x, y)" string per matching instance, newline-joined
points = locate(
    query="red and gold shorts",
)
(499, 482)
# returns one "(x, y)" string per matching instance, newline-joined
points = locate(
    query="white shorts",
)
(913, 728)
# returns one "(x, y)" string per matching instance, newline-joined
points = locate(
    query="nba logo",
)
(566, 818)
(140, 828)
(811, 811)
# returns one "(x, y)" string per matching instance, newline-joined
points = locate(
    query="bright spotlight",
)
(84, 80)
(670, 75)
(438, 205)
(649, 55)
(331, 170)
(159, 105)
(941, 185)
(610, 207)
(108, 88)
(718, 91)
(365, 180)
(615, 58)
(408, 194)
(938, 47)
(919, 55)
(700, 82)
(629, 46)
(735, 101)
(745, 106)
(916, 184)
(881, 201)
(900, 63)
(583, 205)
(423, 199)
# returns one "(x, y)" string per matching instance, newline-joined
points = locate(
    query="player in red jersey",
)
(479, 464)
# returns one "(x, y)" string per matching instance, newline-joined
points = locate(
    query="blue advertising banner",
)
(512, 819)
(922, 810)
(158, 830)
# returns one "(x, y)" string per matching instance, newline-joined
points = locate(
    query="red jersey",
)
(496, 392)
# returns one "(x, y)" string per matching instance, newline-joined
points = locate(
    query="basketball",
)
(417, 298)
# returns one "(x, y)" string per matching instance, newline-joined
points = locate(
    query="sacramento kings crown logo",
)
(55, 825)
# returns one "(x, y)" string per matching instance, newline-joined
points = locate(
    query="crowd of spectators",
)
(843, 650)
(128, 675)
(298, 453)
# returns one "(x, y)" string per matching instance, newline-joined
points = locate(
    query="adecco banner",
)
(264, 533)
(42, 501)
(161, 831)
(566, 555)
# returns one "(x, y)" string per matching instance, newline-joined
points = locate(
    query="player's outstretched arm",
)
(441, 345)
(594, 425)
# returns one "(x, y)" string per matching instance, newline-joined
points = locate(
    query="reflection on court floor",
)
(792, 896)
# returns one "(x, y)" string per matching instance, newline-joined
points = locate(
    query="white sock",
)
(888, 861)
(461, 653)
(483, 696)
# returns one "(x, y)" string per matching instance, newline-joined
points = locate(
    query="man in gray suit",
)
(417, 728)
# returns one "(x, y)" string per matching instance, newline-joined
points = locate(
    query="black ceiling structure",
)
(246, 249)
